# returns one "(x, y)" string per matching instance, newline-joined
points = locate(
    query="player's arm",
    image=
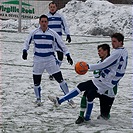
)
(26, 46)
(66, 29)
(63, 48)
(109, 61)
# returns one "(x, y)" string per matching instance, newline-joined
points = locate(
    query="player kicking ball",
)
(112, 70)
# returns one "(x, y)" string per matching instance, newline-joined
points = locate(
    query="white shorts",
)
(51, 67)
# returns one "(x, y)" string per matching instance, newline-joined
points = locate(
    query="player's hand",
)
(69, 59)
(68, 38)
(24, 56)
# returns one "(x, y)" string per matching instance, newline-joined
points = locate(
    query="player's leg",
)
(83, 104)
(91, 95)
(38, 69)
(63, 85)
(60, 58)
(37, 88)
(80, 87)
(54, 70)
(71, 94)
(105, 106)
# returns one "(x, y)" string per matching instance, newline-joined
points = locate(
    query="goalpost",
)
(20, 13)
(34, 8)
(25, 22)
(24, 13)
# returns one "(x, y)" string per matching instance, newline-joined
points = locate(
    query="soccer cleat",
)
(38, 102)
(54, 100)
(72, 104)
(79, 120)
(51, 77)
(101, 117)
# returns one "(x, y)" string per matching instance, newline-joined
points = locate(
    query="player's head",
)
(103, 51)
(117, 40)
(43, 21)
(52, 7)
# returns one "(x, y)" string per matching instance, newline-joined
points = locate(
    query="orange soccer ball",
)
(81, 67)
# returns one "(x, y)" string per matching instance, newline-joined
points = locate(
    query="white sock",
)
(37, 90)
(60, 62)
(64, 87)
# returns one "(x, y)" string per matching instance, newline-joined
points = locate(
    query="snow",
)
(98, 17)
(18, 112)
(93, 17)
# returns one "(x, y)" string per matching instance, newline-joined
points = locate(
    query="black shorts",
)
(90, 90)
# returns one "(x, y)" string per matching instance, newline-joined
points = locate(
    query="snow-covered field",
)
(18, 112)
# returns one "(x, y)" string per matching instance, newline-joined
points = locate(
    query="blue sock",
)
(37, 90)
(69, 95)
(88, 110)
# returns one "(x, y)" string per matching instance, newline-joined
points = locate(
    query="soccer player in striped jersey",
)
(106, 99)
(112, 70)
(44, 40)
(58, 23)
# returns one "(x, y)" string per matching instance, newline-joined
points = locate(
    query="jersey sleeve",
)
(65, 26)
(28, 41)
(109, 61)
(60, 44)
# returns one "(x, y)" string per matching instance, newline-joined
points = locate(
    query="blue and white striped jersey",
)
(44, 43)
(112, 70)
(110, 92)
(58, 23)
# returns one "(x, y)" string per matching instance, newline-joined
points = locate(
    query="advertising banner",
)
(31, 9)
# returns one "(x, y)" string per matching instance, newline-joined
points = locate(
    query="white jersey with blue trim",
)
(111, 92)
(57, 22)
(112, 70)
(44, 43)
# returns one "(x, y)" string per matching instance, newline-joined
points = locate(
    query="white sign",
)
(9, 9)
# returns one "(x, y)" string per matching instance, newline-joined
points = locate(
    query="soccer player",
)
(112, 70)
(58, 23)
(106, 99)
(44, 59)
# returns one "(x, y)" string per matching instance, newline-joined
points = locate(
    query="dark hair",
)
(104, 47)
(43, 16)
(52, 3)
(118, 36)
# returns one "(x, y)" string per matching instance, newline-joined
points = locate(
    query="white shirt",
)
(44, 43)
(58, 23)
(112, 70)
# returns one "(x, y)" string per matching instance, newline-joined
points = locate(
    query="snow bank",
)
(97, 17)
(93, 17)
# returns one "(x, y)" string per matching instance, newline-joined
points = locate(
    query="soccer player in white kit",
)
(45, 40)
(112, 70)
(58, 23)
